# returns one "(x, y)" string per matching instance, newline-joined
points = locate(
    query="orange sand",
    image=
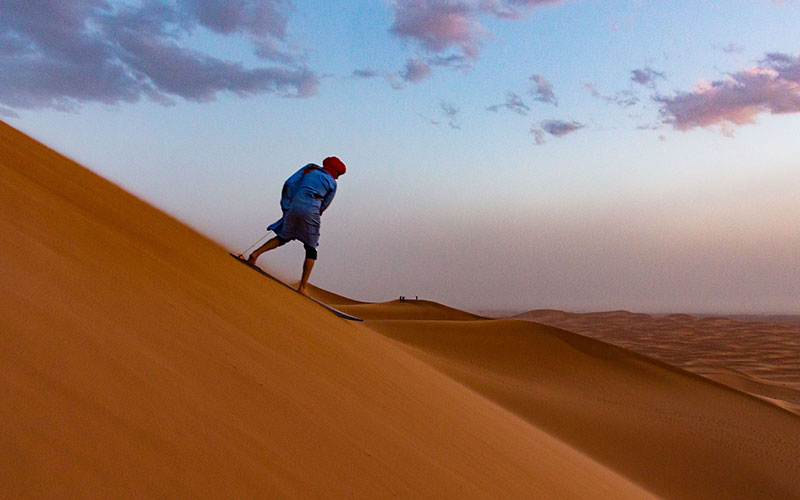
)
(758, 357)
(139, 360)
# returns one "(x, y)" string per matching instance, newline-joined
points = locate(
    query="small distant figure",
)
(305, 197)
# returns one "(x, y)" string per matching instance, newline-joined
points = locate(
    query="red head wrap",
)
(334, 166)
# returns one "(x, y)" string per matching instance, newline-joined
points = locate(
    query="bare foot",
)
(302, 290)
(252, 260)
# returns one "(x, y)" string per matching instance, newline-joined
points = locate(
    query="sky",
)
(502, 154)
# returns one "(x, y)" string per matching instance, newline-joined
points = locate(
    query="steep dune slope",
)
(137, 359)
(677, 434)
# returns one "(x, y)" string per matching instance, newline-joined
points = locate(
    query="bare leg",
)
(308, 265)
(266, 247)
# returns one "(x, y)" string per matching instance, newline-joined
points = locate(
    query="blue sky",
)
(679, 192)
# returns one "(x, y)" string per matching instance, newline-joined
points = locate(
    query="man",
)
(305, 196)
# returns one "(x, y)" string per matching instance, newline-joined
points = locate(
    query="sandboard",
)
(326, 306)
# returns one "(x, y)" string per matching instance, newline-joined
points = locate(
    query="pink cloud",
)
(542, 90)
(438, 25)
(415, 71)
(771, 87)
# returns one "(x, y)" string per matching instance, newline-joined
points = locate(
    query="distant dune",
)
(670, 431)
(762, 358)
(138, 360)
(791, 319)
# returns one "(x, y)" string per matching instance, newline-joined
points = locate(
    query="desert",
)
(133, 368)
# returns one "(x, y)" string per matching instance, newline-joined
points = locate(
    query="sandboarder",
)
(305, 197)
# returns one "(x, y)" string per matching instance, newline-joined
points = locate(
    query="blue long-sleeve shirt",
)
(305, 196)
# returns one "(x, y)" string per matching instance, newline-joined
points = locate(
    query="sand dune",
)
(776, 394)
(138, 360)
(677, 434)
(761, 358)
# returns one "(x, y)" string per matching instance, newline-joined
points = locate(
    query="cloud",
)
(556, 128)
(647, 76)
(773, 86)
(271, 50)
(448, 109)
(513, 102)
(560, 128)
(452, 61)
(63, 53)
(415, 70)
(623, 98)
(538, 135)
(649, 126)
(8, 113)
(787, 67)
(439, 25)
(731, 48)
(432, 121)
(393, 79)
(542, 90)
(365, 73)
(450, 112)
(259, 18)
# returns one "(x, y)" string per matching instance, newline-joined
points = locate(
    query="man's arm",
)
(327, 199)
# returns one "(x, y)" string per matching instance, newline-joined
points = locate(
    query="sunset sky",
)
(501, 154)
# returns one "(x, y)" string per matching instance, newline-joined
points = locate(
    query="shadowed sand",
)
(759, 357)
(131, 368)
